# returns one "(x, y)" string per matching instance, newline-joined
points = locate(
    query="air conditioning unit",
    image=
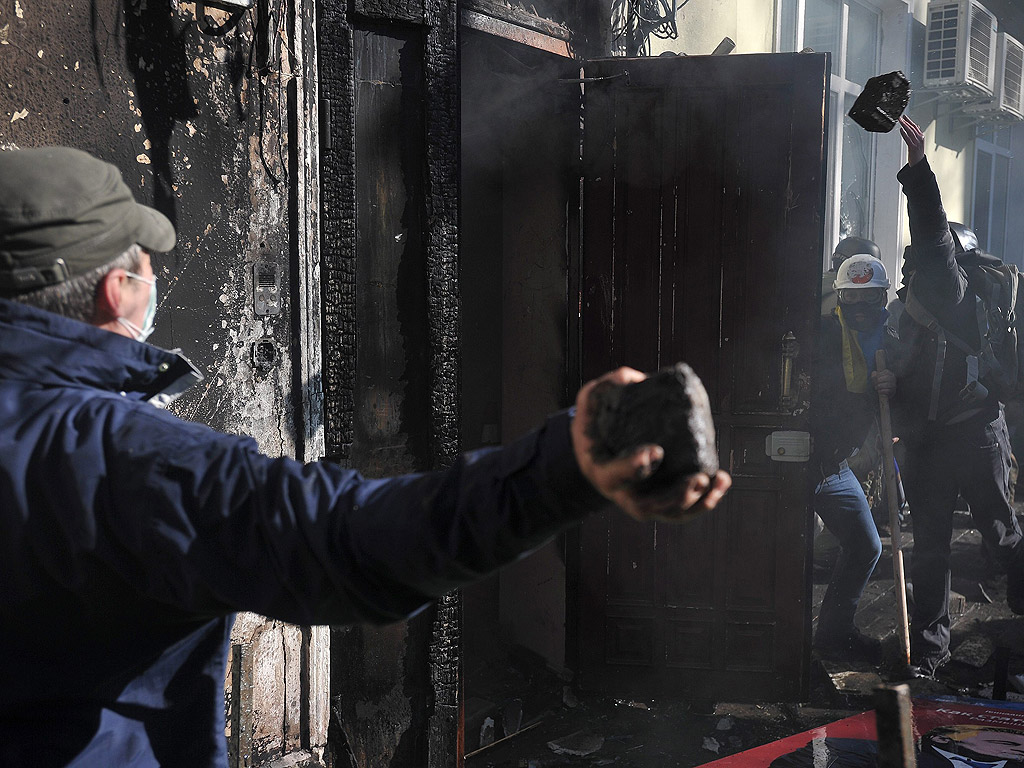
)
(960, 49)
(1007, 102)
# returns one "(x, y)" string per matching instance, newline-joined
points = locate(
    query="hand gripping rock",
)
(671, 409)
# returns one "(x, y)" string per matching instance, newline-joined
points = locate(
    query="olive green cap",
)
(63, 213)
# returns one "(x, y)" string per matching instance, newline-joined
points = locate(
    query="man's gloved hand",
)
(614, 479)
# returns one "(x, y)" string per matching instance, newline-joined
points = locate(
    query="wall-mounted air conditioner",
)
(960, 48)
(1007, 102)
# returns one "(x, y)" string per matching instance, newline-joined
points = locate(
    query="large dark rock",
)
(881, 103)
(670, 409)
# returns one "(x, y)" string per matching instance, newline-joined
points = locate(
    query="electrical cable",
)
(633, 23)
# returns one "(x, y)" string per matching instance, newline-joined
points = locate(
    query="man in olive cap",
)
(130, 538)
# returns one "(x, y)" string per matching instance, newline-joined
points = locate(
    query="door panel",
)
(702, 232)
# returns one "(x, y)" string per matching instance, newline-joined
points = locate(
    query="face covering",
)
(143, 333)
(862, 317)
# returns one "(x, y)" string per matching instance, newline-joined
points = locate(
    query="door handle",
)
(787, 392)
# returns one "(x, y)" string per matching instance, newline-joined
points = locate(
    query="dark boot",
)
(927, 666)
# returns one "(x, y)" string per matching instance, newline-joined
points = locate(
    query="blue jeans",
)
(840, 503)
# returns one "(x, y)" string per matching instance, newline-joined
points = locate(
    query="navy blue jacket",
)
(129, 538)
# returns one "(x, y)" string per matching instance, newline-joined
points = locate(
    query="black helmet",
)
(963, 237)
(852, 246)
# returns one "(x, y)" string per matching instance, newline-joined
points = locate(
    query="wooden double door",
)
(703, 196)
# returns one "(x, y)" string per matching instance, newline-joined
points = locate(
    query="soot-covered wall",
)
(199, 126)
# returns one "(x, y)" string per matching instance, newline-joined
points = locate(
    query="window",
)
(851, 31)
(992, 158)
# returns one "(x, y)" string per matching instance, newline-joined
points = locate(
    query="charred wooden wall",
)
(208, 131)
(388, 87)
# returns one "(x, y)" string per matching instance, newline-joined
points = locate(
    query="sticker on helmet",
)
(861, 273)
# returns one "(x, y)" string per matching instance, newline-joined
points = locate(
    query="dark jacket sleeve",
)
(223, 528)
(939, 282)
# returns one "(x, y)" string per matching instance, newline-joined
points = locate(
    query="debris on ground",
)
(578, 744)
(569, 698)
(975, 651)
(487, 731)
(691, 729)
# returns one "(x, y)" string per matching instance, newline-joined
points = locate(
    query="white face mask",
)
(143, 333)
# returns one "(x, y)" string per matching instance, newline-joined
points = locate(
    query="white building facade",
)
(966, 67)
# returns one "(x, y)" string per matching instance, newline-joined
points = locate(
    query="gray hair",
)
(76, 298)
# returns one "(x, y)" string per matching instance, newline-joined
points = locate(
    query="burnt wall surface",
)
(388, 85)
(199, 126)
(197, 130)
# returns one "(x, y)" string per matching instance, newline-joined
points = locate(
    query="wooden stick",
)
(885, 427)
(502, 739)
(894, 727)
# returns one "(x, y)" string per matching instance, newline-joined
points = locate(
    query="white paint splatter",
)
(18, 10)
(5, 32)
(20, 115)
(144, 159)
(191, 128)
(138, 127)
(77, 65)
(39, 53)
(147, 144)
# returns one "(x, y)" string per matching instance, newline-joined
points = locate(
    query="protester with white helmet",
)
(845, 407)
(845, 248)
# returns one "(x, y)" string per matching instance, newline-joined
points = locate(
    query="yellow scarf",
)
(855, 367)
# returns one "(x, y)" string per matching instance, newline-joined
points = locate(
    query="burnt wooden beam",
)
(337, 228)
(442, 129)
(510, 31)
(518, 16)
(442, 78)
(414, 668)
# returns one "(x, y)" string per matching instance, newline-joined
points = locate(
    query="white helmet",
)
(861, 271)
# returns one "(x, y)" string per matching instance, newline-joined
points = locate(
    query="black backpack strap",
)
(920, 313)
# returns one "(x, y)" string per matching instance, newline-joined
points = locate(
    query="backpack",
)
(998, 302)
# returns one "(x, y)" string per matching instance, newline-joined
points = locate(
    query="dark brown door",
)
(701, 241)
